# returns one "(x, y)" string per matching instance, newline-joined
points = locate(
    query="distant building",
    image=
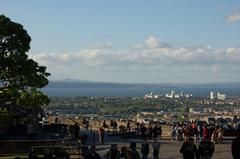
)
(170, 95)
(151, 95)
(221, 96)
(176, 95)
(212, 95)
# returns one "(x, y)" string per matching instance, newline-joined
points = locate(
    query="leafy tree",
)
(20, 77)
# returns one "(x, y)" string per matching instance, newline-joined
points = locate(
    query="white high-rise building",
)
(212, 95)
(221, 96)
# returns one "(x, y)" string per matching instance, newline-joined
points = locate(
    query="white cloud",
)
(141, 58)
(161, 60)
(105, 45)
(152, 42)
(138, 46)
(234, 18)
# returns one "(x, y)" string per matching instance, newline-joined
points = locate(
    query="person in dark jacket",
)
(205, 149)
(236, 145)
(133, 150)
(156, 148)
(145, 149)
(189, 149)
(92, 154)
(123, 153)
(113, 153)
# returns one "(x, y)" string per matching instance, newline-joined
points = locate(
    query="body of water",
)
(133, 92)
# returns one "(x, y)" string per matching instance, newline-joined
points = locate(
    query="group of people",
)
(112, 125)
(125, 152)
(205, 149)
(198, 131)
(150, 131)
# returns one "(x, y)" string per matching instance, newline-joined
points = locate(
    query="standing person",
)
(159, 131)
(205, 149)
(124, 153)
(115, 126)
(205, 132)
(128, 126)
(92, 154)
(189, 149)
(179, 133)
(76, 131)
(113, 153)
(200, 132)
(145, 149)
(101, 135)
(155, 132)
(156, 148)
(150, 131)
(143, 131)
(236, 145)
(173, 132)
(104, 125)
(133, 150)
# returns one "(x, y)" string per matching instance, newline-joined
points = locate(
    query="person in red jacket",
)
(205, 132)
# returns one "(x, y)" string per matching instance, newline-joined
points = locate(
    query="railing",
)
(60, 151)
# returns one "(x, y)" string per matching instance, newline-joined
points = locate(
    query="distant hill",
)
(68, 83)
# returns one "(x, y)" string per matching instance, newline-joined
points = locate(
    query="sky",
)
(138, 41)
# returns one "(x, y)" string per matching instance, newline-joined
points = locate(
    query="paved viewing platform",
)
(169, 149)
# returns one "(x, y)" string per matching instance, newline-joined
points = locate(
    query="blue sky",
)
(133, 41)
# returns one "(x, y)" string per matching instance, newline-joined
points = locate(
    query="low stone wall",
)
(24, 146)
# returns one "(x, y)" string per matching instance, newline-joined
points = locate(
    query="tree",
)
(20, 77)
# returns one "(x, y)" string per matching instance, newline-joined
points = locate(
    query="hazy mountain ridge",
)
(94, 84)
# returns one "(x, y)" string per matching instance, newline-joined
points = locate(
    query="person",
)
(155, 132)
(33, 155)
(160, 131)
(215, 135)
(200, 132)
(61, 153)
(179, 133)
(124, 153)
(92, 154)
(47, 154)
(143, 130)
(115, 125)
(56, 120)
(173, 131)
(156, 147)
(133, 150)
(101, 135)
(128, 126)
(84, 121)
(205, 149)
(76, 131)
(145, 149)
(150, 131)
(205, 132)
(236, 145)
(104, 125)
(113, 153)
(189, 149)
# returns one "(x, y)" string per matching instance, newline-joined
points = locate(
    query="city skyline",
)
(127, 42)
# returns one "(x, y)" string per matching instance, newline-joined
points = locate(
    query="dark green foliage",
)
(20, 77)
